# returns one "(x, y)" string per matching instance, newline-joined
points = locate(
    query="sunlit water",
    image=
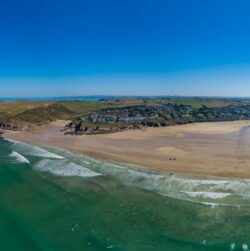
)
(51, 199)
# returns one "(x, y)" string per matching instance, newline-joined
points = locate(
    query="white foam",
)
(18, 157)
(32, 150)
(144, 175)
(212, 187)
(86, 162)
(39, 152)
(210, 191)
(64, 168)
(245, 247)
(209, 195)
(213, 205)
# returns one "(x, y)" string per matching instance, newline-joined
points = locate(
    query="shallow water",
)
(52, 199)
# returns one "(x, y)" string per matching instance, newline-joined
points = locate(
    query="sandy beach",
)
(219, 149)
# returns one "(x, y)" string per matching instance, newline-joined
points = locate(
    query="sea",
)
(55, 200)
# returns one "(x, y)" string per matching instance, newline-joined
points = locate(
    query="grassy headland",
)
(18, 115)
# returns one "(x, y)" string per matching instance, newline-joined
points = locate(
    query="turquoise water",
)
(52, 199)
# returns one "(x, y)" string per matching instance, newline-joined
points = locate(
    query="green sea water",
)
(51, 199)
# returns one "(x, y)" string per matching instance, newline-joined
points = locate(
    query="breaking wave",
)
(18, 157)
(48, 161)
(209, 191)
(32, 150)
(210, 195)
(64, 168)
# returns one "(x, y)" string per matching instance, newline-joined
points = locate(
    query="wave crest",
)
(64, 168)
(18, 157)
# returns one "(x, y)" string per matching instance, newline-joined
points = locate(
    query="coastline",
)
(208, 148)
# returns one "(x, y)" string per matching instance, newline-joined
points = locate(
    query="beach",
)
(216, 148)
(53, 199)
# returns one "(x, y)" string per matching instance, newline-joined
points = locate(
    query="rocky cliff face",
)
(7, 126)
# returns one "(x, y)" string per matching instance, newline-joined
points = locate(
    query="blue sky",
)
(125, 47)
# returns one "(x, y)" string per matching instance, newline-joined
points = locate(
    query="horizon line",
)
(124, 96)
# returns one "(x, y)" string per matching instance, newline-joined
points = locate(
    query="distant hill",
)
(18, 118)
(45, 114)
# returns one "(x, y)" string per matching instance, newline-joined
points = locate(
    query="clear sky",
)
(124, 47)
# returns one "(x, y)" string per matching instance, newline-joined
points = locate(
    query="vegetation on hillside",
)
(21, 114)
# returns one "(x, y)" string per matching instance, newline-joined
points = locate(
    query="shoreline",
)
(217, 149)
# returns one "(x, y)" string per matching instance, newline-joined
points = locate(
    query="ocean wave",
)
(32, 150)
(212, 191)
(64, 168)
(137, 175)
(210, 195)
(207, 190)
(18, 157)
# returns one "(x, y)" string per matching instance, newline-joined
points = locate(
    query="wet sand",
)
(219, 149)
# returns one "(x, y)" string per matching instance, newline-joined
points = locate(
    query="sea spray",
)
(245, 247)
(232, 246)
